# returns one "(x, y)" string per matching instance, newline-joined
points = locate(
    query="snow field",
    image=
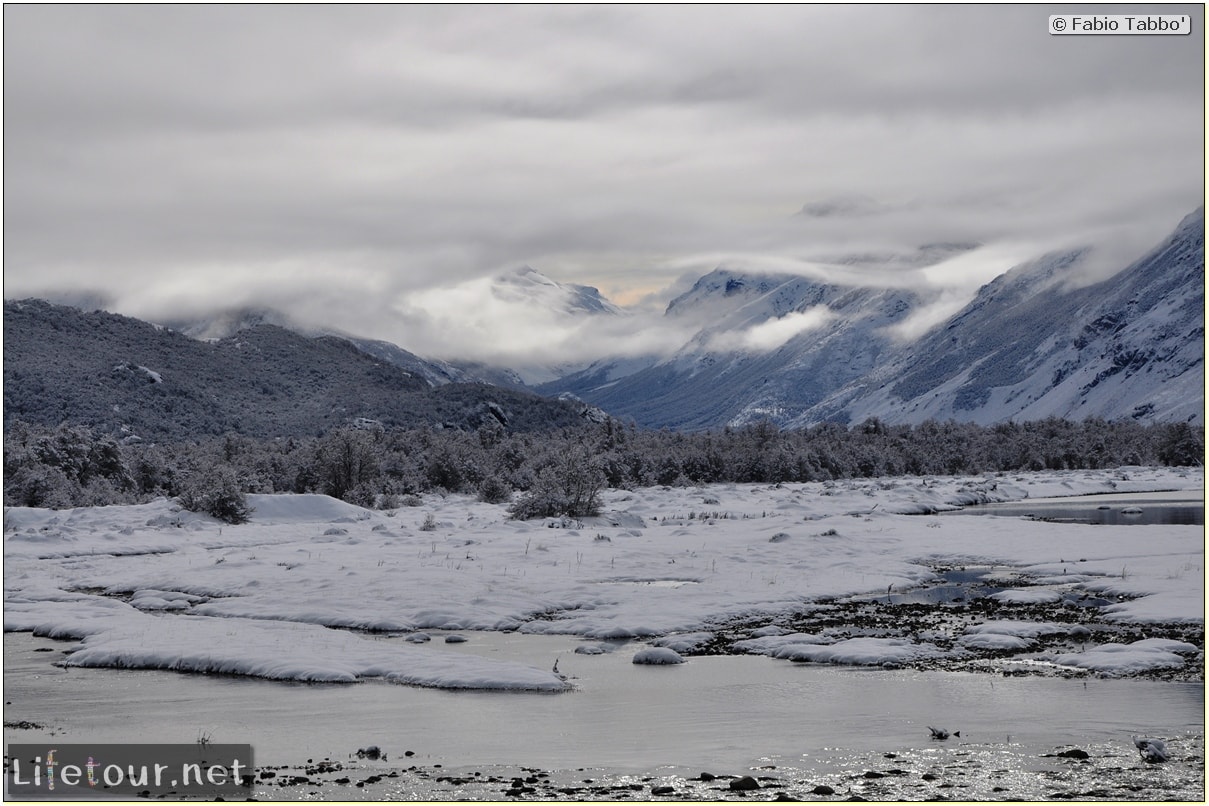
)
(153, 586)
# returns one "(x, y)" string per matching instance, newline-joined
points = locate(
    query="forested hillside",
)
(126, 377)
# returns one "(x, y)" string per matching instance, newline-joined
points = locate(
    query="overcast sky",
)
(342, 163)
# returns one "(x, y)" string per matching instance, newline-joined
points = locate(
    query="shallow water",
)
(1178, 508)
(728, 713)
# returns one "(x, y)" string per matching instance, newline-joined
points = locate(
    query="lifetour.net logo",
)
(78, 771)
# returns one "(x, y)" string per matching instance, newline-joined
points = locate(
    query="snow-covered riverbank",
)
(153, 586)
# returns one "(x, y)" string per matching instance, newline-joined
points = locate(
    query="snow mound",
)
(772, 643)
(163, 600)
(625, 520)
(304, 508)
(863, 651)
(75, 616)
(771, 629)
(1122, 659)
(657, 656)
(994, 641)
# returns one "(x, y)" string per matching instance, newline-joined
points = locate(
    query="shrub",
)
(40, 486)
(570, 487)
(494, 490)
(216, 492)
(363, 495)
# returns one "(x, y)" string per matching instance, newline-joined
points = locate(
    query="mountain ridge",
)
(1146, 323)
(1031, 344)
(124, 376)
(1037, 341)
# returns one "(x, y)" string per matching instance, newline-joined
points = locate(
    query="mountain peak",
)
(528, 286)
(524, 274)
(226, 323)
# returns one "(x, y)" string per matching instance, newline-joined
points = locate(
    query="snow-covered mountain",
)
(225, 324)
(1033, 343)
(525, 293)
(768, 346)
(522, 291)
(526, 285)
(1030, 345)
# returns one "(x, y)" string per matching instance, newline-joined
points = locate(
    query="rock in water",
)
(1153, 751)
(745, 783)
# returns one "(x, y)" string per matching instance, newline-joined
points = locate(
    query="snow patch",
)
(862, 651)
(303, 652)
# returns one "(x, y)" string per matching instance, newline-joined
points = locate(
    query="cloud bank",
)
(353, 164)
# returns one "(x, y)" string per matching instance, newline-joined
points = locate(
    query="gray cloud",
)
(342, 161)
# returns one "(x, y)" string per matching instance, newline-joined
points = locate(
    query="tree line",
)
(556, 472)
